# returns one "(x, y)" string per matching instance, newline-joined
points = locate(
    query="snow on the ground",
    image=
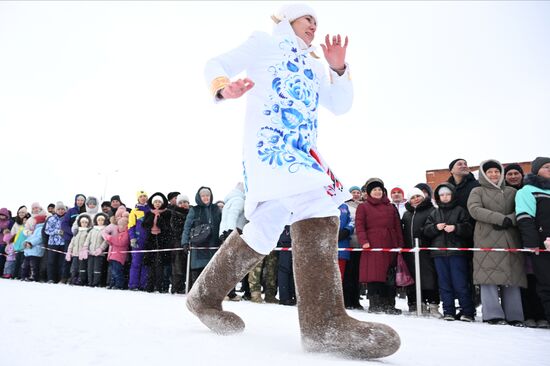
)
(67, 325)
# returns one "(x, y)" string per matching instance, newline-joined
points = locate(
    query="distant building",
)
(437, 176)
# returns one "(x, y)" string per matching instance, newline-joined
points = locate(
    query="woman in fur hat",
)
(378, 226)
(157, 223)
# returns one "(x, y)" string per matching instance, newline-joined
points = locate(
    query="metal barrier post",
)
(417, 277)
(188, 270)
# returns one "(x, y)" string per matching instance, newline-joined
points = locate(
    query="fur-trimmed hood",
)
(484, 181)
(537, 181)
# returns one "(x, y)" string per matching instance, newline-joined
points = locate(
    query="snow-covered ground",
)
(65, 325)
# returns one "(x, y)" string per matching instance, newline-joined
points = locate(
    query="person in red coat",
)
(377, 225)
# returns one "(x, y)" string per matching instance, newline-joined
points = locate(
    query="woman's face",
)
(22, 212)
(544, 171)
(157, 204)
(80, 201)
(205, 198)
(416, 200)
(36, 210)
(377, 192)
(356, 194)
(84, 222)
(305, 27)
(183, 204)
(493, 174)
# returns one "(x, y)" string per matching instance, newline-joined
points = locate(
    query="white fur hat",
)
(181, 198)
(294, 11)
(415, 192)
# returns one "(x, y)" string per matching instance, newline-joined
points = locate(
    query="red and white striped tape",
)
(383, 250)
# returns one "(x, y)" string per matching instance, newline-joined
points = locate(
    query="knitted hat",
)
(444, 190)
(172, 195)
(291, 12)
(116, 197)
(60, 204)
(354, 188)
(538, 163)
(157, 198)
(452, 164)
(140, 193)
(492, 164)
(415, 192)
(91, 201)
(397, 189)
(181, 198)
(373, 183)
(514, 166)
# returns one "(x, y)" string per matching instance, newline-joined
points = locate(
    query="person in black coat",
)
(418, 209)
(285, 274)
(157, 222)
(179, 257)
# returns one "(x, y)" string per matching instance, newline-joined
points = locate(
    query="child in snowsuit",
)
(77, 253)
(96, 245)
(448, 226)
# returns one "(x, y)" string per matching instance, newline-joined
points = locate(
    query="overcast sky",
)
(109, 98)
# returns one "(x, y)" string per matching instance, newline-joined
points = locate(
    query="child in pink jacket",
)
(119, 243)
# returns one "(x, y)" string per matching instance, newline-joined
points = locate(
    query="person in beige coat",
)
(493, 207)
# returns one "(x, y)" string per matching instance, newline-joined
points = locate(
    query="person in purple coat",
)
(138, 237)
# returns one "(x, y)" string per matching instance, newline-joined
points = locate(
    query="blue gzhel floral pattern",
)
(292, 113)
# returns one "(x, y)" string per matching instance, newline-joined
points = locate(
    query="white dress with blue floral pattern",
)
(280, 156)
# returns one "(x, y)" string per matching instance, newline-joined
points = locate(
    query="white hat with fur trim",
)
(291, 12)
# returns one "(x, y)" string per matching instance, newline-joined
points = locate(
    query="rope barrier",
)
(383, 250)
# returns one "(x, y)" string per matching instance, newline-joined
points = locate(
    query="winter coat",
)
(53, 229)
(233, 212)
(345, 224)
(78, 241)
(95, 239)
(413, 222)
(135, 222)
(463, 189)
(533, 211)
(285, 241)
(69, 218)
(5, 224)
(163, 240)
(280, 142)
(202, 214)
(177, 221)
(377, 223)
(118, 241)
(37, 245)
(489, 205)
(450, 213)
(401, 208)
(10, 252)
(352, 206)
